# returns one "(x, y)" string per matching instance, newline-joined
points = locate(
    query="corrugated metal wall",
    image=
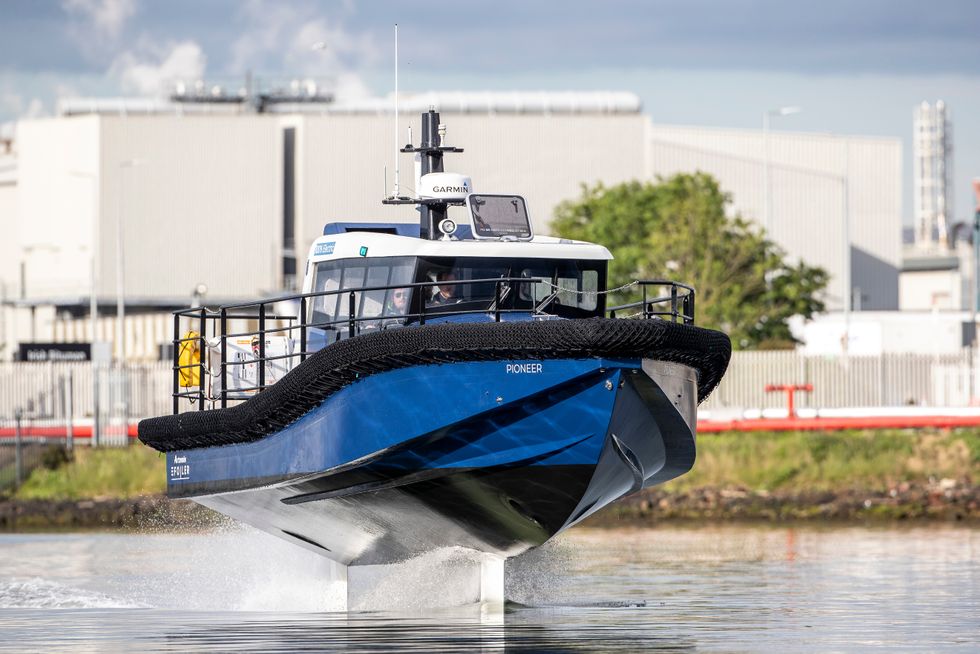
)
(59, 188)
(201, 195)
(9, 247)
(145, 333)
(201, 205)
(807, 173)
(545, 157)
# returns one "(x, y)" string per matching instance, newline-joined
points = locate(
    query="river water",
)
(711, 588)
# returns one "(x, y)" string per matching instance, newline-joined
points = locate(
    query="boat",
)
(450, 383)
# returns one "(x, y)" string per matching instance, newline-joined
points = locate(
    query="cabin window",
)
(332, 310)
(568, 288)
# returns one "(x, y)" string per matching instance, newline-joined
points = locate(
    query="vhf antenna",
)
(397, 191)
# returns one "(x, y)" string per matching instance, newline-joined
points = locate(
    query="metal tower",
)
(933, 149)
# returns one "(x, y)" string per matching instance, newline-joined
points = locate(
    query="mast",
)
(432, 211)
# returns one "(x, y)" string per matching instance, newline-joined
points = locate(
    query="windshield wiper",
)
(503, 293)
(546, 301)
(551, 298)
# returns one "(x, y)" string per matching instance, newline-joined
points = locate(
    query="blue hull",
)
(497, 456)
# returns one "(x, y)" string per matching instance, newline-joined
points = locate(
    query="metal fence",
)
(57, 390)
(106, 400)
(887, 380)
(48, 408)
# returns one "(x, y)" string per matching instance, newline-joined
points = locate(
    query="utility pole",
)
(782, 111)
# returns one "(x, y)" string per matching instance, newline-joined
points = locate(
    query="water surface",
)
(731, 588)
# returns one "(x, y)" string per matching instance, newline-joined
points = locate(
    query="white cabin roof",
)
(348, 245)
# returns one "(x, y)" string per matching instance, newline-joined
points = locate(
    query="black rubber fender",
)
(344, 362)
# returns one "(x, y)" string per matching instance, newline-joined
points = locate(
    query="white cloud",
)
(153, 72)
(350, 86)
(106, 17)
(281, 37)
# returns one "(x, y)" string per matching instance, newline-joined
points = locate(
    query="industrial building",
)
(169, 203)
(833, 201)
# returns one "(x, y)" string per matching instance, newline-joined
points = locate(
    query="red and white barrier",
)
(904, 417)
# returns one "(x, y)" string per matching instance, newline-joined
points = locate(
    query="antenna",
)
(396, 190)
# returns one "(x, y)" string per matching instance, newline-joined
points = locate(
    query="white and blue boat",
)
(447, 383)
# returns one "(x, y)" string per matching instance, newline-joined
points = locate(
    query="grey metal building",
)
(834, 201)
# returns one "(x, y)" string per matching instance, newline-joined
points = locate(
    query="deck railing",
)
(661, 298)
(210, 330)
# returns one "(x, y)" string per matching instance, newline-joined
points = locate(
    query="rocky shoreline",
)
(938, 500)
(942, 500)
(149, 513)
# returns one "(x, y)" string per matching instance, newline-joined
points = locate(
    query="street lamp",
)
(93, 307)
(782, 111)
(120, 268)
(197, 296)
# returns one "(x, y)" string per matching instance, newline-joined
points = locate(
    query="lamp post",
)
(120, 267)
(93, 306)
(766, 116)
(122, 379)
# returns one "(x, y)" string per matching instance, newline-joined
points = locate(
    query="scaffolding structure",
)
(933, 175)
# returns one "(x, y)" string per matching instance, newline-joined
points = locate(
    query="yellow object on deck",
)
(190, 355)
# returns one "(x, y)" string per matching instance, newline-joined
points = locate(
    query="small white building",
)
(874, 333)
(941, 280)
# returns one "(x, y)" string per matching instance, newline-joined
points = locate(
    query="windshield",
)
(568, 288)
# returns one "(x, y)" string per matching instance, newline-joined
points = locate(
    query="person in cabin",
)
(396, 308)
(397, 302)
(446, 293)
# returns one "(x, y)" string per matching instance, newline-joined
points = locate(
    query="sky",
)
(854, 66)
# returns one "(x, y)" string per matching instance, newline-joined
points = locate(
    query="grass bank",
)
(118, 473)
(832, 461)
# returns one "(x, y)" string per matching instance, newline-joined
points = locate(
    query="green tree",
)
(678, 228)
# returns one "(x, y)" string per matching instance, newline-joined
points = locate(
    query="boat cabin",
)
(396, 278)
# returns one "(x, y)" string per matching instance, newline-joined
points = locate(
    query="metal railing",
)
(679, 300)
(216, 323)
(213, 328)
